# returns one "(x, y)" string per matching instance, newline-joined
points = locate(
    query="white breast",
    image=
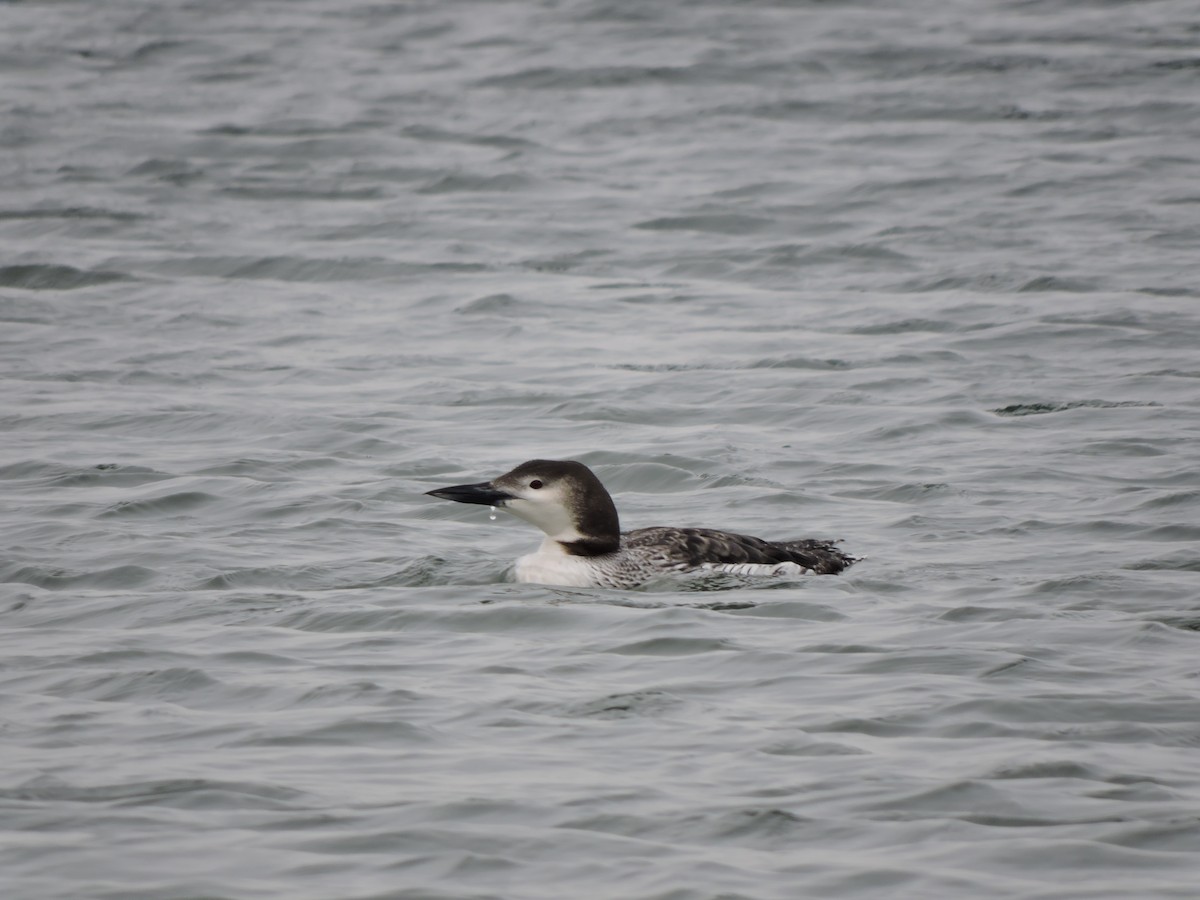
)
(550, 564)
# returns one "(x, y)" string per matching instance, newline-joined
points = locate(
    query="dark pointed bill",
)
(483, 494)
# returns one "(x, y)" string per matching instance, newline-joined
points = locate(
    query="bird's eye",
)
(535, 484)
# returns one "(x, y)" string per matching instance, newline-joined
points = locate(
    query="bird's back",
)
(695, 548)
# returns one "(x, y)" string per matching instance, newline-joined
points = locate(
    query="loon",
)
(585, 547)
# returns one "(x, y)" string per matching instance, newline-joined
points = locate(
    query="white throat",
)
(552, 517)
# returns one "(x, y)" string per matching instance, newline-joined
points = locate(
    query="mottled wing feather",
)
(690, 548)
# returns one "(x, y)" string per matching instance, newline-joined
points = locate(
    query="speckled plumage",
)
(585, 547)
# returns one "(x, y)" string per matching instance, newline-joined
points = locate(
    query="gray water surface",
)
(920, 277)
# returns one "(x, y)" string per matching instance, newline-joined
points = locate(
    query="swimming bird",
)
(585, 547)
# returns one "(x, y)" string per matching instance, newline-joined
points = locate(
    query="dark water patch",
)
(777, 111)
(814, 748)
(180, 684)
(801, 362)
(319, 513)
(183, 793)
(309, 577)
(1144, 792)
(375, 170)
(563, 262)
(926, 359)
(431, 570)
(636, 285)
(271, 190)
(1175, 373)
(1131, 447)
(268, 470)
(70, 212)
(1169, 291)
(1183, 561)
(151, 51)
(1018, 668)
(844, 648)
(134, 657)
(323, 619)
(55, 578)
(712, 223)
(904, 326)
(50, 277)
(280, 127)
(466, 183)
(1048, 283)
(492, 304)
(302, 269)
(158, 424)
(1055, 406)
(881, 726)
(724, 605)
(201, 319)
(620, 706)
(865, 256)
(1095, 527)
(1058, 768)
(1088, 585)
(1192, 62)
(1118, 319)
(227, 129)
(1168, 500)
(1183, 622)
(179, 172)
(758, 827)
(755, 189)
(984, 282)
(259, 658)
(1180, 835)
(633, 415)
(1063, 717)
(1172, 533)
(375, 229)
(948, 798)
(1099, 134)
(670, 367)
(40, 470)
(17, 602)
(940, 662)
(904, 493)
(359, 693)
(673, 646)
(442, 135)
(788, 607)
(318, 819)
(846, 469)
(152, 377)
(918, 186)
(939, 424)
(81, 376)
(174, 504)
(358, 731)
(556, 78)
(664, 298)
(287, 268)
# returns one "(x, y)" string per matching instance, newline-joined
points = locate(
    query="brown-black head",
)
(563, 498)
